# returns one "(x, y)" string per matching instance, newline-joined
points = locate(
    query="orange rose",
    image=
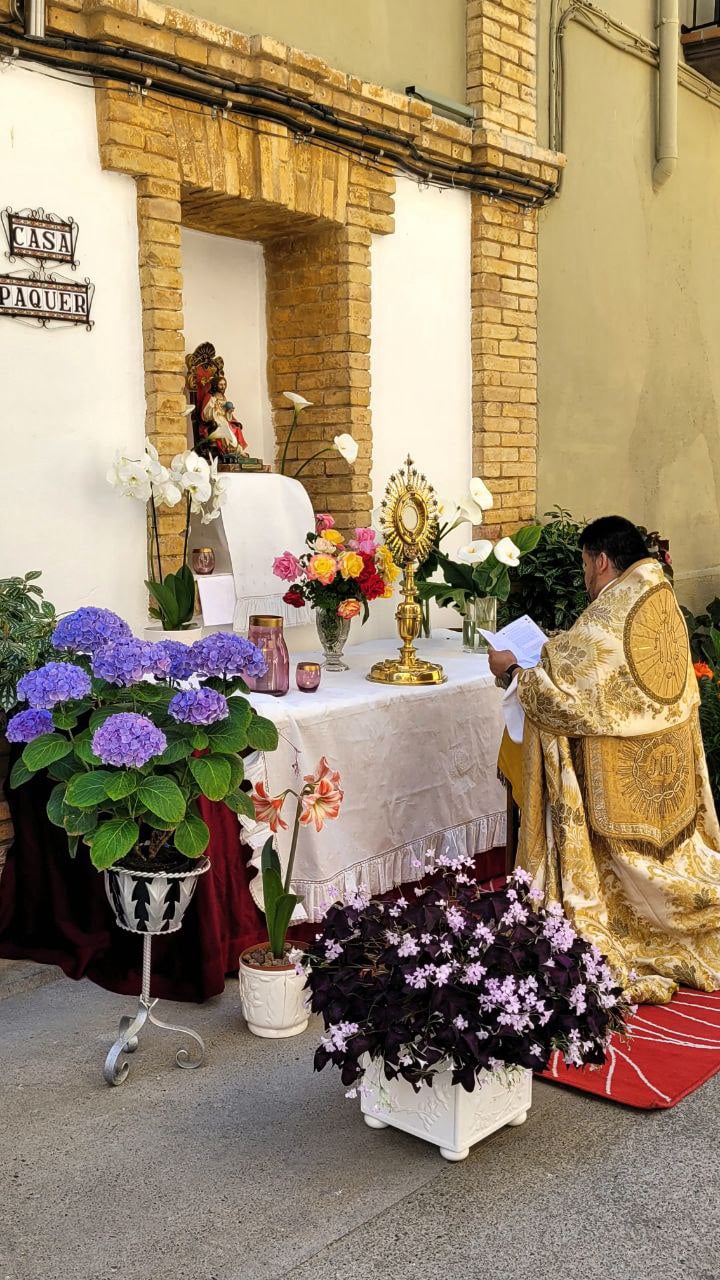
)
(703, 671)
(349, 609)
(322, 568)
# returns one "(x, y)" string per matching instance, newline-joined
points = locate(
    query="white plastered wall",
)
(71, 397)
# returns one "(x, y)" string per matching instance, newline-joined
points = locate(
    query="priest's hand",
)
(500, 660)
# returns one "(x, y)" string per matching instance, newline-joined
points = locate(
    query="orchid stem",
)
(156, 534)
(187, 530)
(307, 461)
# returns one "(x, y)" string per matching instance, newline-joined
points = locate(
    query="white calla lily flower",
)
(475, 552)
(480, 493)
(469, 510)
(347, 447)
(507, 552)
(299, 402)
(447, 510)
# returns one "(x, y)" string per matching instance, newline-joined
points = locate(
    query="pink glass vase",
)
(266, 631)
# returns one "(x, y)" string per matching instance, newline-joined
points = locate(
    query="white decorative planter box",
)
(445, 1113)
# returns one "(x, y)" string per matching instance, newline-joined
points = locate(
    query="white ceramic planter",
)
(189, 635)
(273, 1000)
(445, 1113)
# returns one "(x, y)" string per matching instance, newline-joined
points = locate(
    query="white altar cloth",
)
(263, 515)
(418, 768)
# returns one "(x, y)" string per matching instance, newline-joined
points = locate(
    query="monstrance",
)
(409, 526)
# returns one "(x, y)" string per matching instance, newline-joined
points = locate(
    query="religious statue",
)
(216, 431)
(603, 745)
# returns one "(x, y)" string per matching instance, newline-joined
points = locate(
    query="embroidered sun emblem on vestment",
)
(656, 645)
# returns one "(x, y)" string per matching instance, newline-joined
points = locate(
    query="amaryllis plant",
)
(190, 481)
(317, 802)
(338, 576)
(133, 734)
(481, 980)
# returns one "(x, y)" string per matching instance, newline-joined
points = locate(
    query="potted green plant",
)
(272, 976)
(437, 1010)
(192, 482)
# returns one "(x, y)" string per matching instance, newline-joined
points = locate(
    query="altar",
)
(418, 767)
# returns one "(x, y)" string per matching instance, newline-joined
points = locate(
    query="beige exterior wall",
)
(629, 306)
(389, 42)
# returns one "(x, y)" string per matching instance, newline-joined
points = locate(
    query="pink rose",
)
(287, 566)
(365, 541)
(323, 521)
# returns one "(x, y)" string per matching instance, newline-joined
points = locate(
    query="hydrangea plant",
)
(133, 734)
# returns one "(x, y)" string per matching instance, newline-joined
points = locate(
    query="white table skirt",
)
(418, 768)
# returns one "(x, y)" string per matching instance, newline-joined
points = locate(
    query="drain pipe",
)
(32, 14)
(666, 146)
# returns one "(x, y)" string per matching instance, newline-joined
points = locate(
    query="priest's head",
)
(609, 545)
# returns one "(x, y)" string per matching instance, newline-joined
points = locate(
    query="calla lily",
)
(475, 552)
(480, 493)
(448, 511)
(299, 402)
(506, 552)
(469, 510)
(347, 447)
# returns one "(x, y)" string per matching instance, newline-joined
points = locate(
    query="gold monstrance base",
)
(409, 527)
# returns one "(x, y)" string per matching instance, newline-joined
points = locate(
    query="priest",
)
(617, 817)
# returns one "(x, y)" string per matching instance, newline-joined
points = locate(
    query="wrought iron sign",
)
(39, 295)
(33, 233)
(46, 297)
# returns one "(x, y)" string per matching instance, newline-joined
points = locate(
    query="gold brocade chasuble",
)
(618, 822)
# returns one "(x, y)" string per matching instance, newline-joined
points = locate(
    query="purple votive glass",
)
(307, 676)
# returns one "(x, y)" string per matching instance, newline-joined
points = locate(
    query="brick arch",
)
(315, 211)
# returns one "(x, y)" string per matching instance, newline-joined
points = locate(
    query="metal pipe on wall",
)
(32, 14)
(666, 146)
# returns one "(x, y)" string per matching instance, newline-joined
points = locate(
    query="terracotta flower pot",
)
(273, 998)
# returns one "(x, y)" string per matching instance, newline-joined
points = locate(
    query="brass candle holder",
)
(409, 526)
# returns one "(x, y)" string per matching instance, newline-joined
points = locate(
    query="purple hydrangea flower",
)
(182, 662)
(198, 706)
(225, 654)
(53, 683)
(88, 628)
(126, 662)
(27, 725)
(128, 739)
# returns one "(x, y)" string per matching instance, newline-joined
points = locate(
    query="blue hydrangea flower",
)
(198, 706)
(127, 662)
(55, 682)
(27, 725)
(225, 654)
(88, 628)
(128, 739)
(182, 663)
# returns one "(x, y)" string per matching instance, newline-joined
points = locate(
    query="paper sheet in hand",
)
(523, 637)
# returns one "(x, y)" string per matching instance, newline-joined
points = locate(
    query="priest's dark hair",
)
(620, 539)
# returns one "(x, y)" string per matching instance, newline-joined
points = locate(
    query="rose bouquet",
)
(478, 980)
(337, 577)
(189, 480)
(131, 741)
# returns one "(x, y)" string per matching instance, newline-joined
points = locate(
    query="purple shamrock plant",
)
(134, 734)
(482, 980)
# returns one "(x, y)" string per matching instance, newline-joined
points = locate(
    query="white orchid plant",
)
(480, 568)
(189, 479)
(343, 444)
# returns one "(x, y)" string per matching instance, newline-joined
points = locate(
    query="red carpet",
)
(673, 1049)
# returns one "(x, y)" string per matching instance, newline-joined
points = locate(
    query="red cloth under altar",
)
(53, 909)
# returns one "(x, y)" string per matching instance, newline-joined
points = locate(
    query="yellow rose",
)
(386, 565)
(333, 535)
(351, 564)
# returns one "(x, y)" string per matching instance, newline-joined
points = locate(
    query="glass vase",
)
(479, 612)
(266, 631)
(333, 632)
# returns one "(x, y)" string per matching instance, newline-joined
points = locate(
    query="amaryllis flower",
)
(475, 552)
(349, 609)
(323, 772)
(322, 804)
(322, 568)
(324, 521)
(506, 552)
(268, 809)
(287, 566)
(28, 725)
(54, 683)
